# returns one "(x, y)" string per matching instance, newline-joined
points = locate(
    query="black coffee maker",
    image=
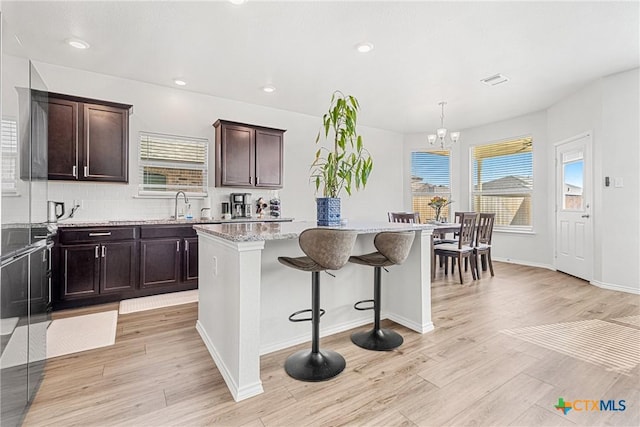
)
(241, 205)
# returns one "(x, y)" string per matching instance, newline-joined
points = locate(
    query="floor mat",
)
(80, 333)
(613, 346)
(158, 301)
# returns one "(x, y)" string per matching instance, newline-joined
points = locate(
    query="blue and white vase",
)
(328, 211)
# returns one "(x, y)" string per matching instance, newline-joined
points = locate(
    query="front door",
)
(574, 223)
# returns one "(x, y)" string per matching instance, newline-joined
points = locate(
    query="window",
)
(9, 156)
(503, 182)
(172, 163)
(430, 176)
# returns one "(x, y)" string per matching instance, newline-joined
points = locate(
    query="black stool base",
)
(379, 340)
(305, 365)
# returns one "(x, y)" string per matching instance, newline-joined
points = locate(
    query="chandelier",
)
(441, 132)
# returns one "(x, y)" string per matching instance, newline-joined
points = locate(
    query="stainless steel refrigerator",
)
(26, 239)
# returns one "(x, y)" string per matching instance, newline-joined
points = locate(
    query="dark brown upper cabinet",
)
(88, 139)
(248, 156)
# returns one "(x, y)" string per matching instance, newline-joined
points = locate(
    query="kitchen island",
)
(246, 295)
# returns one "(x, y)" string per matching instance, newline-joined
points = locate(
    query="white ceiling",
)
(424, 52)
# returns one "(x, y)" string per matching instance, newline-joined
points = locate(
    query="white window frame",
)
(10, 187)
(449, 194)
(524, 229)
(146, 193)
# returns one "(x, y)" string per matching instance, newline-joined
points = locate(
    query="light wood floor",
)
(464, 373)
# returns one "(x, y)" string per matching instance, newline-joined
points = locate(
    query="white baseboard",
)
(422, 329)
(527, 263)
(603, 285)
(307, 336)
(237, 393)
(613, 287)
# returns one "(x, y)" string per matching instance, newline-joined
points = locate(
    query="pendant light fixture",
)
(441, 132)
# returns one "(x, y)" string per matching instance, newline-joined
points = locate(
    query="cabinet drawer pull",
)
(74, 171)
(107, 233)
(97, 247)
(177, 245)
(86, 171)
(104, 251)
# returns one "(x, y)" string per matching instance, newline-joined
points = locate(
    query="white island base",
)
(246, 295)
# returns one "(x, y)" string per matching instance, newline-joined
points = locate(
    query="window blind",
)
(9, 145)
(502, 182)
(430, 177)
(172, 163)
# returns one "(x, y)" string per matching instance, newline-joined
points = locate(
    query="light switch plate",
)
(618, 182)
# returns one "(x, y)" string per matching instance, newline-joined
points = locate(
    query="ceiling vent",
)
(495, 80)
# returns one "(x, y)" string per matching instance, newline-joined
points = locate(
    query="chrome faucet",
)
(186, 200)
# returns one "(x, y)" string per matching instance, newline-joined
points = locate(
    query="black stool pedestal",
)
(377, 338)
(305, 365)
(380, 339)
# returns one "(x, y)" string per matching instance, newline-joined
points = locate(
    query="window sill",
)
(508, 231)
(11, 194)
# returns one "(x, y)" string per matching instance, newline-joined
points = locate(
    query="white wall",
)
(527, 248)
(180, 112)
(609, 108)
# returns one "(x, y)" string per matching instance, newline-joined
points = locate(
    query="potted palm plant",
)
(345, 164)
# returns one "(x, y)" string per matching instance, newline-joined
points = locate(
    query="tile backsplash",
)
(121, 202)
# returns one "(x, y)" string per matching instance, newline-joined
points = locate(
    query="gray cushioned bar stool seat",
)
(326, 249)
(393, 248)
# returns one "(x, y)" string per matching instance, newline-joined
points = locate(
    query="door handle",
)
(74, 171)
(177, 245)
(97, 248)
(586, 216)
(104, 251)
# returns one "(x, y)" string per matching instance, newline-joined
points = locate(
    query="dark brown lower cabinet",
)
(160, 262)
(191, 260)
(89, 270)
(80, 271)
(99, 265)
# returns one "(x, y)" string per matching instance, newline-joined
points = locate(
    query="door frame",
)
(590, 180)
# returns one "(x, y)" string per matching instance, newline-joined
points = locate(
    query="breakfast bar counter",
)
(246, 295)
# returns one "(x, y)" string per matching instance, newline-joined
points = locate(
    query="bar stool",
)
(326, 249)
(393, 248)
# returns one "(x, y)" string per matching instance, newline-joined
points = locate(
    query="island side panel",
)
(229, 310)
(407, 287)
(286, 290)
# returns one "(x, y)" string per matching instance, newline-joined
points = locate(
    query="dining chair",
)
(406, 217)
(463, 249)
(482, 245)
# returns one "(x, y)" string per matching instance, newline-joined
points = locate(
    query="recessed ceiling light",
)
(269, 88)
(180, 82)
(77, 43)
(238, 1)
(364, 47)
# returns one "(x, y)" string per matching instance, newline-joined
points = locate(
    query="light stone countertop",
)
(249, 232)
(167, 221)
